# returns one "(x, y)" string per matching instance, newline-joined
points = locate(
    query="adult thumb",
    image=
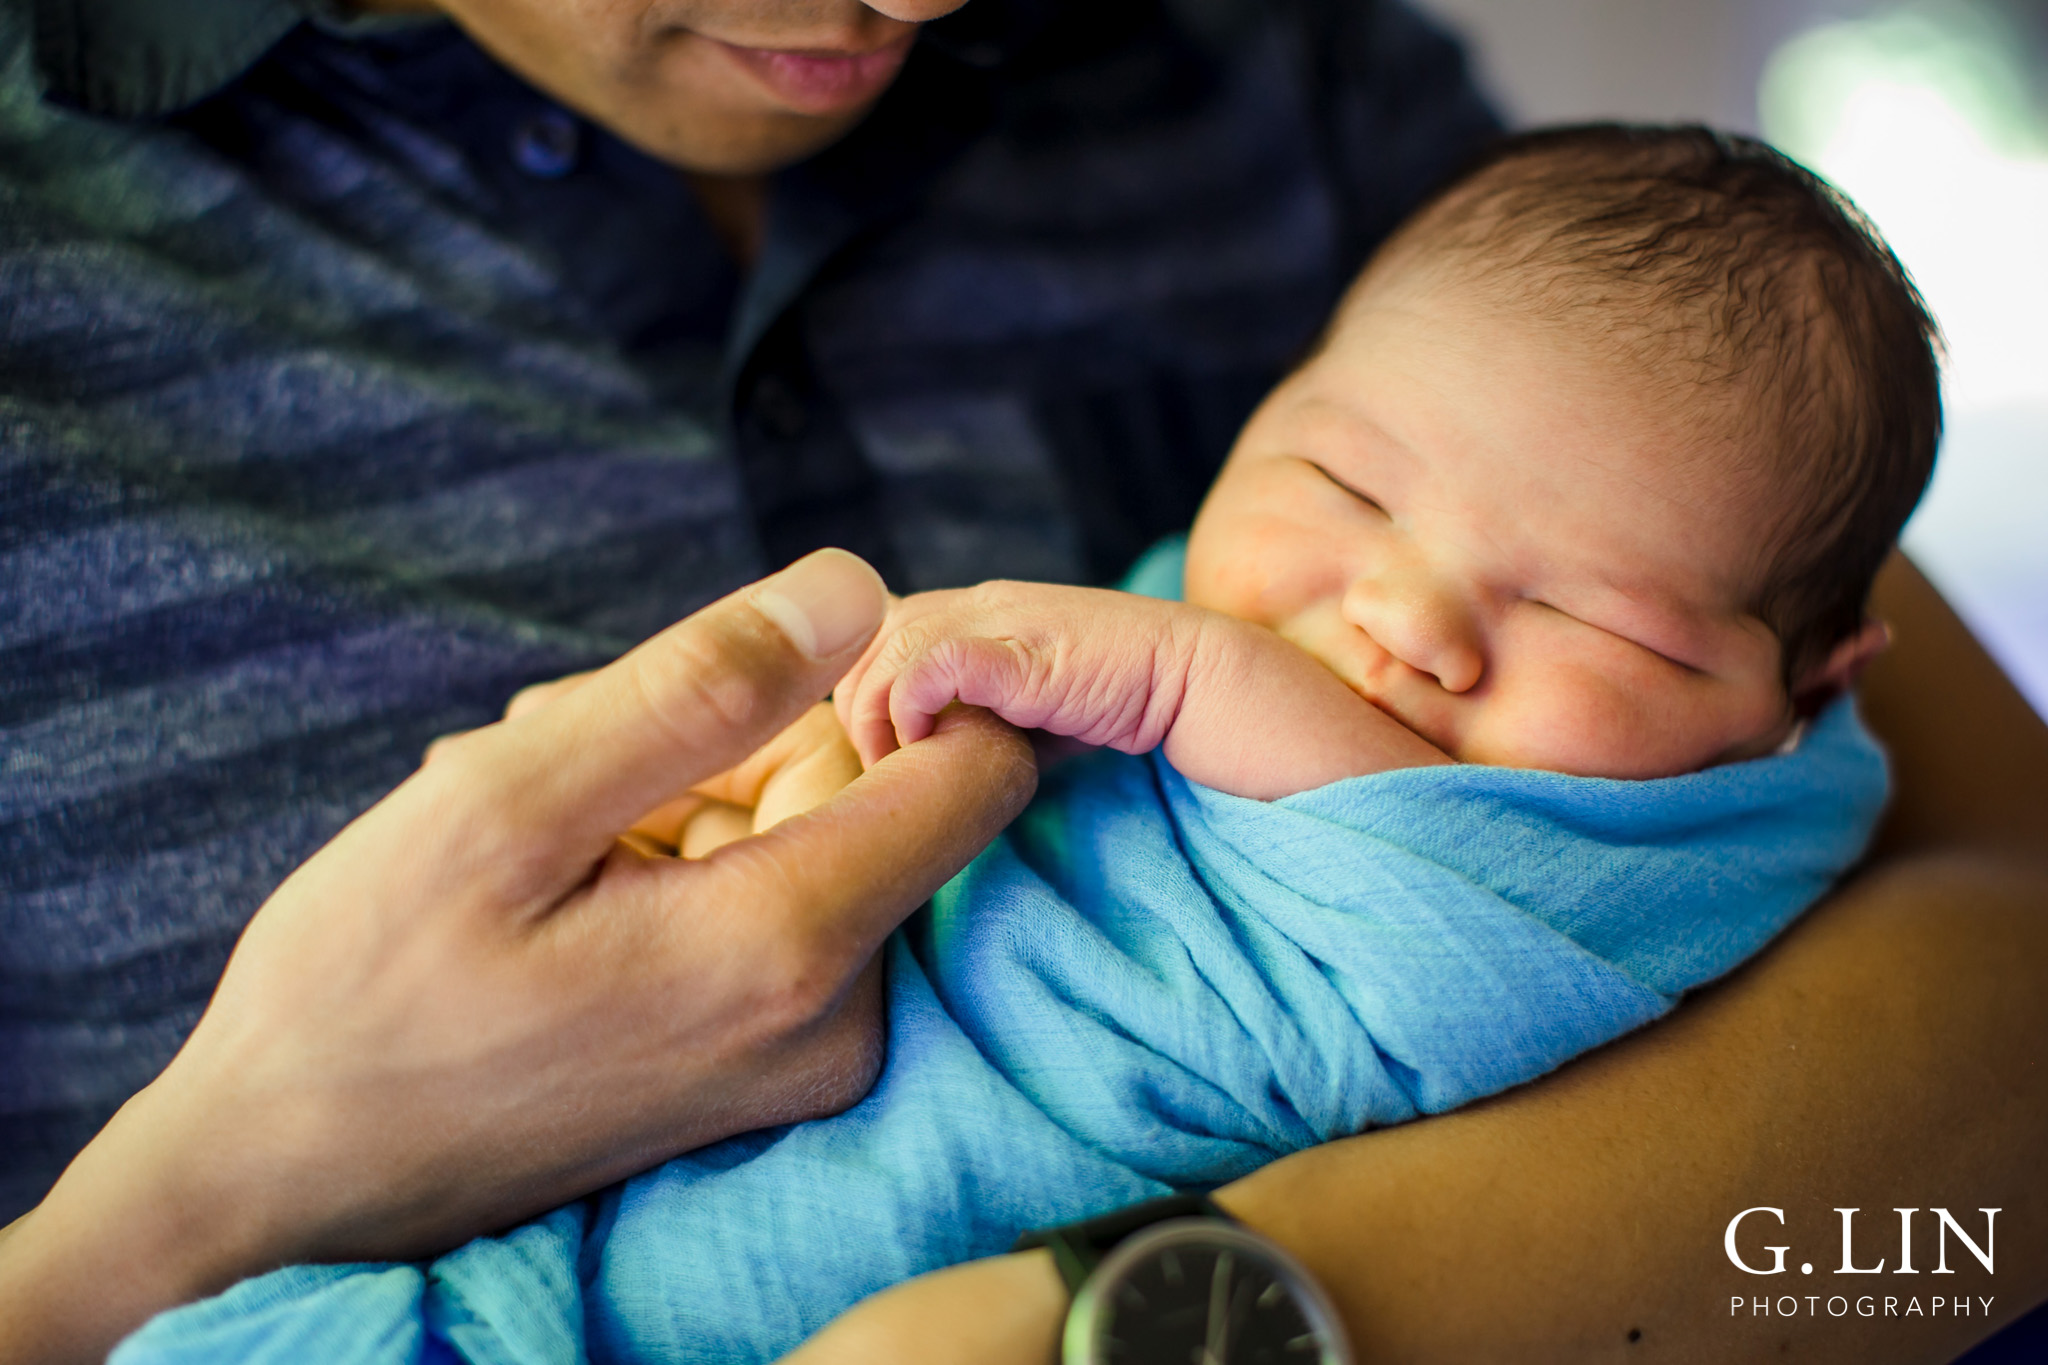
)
(689, 703)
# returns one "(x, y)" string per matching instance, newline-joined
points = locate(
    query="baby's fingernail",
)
(825, 603)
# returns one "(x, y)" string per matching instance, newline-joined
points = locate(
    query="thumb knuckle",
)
(688, 676)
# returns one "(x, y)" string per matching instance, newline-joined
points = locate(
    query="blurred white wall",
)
(1930, 115)
(1551, 61)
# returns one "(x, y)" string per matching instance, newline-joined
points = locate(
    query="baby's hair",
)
(1722, 264)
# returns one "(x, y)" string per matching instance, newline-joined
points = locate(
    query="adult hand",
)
(477, 1002)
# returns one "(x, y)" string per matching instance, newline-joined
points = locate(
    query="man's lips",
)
(812, 82)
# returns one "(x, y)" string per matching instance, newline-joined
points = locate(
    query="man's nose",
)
(1420, 619)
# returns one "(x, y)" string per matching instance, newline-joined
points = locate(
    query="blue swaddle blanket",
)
(1144, 984)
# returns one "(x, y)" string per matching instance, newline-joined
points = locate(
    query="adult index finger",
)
(565, 779)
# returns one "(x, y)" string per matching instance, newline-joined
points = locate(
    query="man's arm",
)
(478, 1002)
(1891, 1051)
(1233, 705)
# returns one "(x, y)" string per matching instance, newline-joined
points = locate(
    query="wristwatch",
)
(1177, 1281)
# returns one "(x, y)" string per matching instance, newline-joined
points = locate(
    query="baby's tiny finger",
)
(867, 722)
(920, 679)
(909, 721)
(846, 693)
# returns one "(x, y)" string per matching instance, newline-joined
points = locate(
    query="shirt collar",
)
(139, 58)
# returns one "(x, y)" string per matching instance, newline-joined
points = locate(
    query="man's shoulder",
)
(133, 58)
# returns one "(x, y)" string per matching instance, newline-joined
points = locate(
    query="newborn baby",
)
(1590, 473)
(1502, 704)
(1452, 535)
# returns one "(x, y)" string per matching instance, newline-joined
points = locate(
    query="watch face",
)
(1201, 1292)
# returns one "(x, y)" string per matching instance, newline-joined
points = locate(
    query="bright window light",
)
(1926, 123)
(1924, 117)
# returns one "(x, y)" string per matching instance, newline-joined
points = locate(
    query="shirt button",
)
(547, 145)
(779, 408)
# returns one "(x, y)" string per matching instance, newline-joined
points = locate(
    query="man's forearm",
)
(1969, 756)
(1582, 1216)
(1587, 1213)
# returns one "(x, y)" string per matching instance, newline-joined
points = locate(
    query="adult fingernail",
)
(826, 602)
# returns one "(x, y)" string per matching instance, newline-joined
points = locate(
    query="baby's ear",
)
(1838, 672)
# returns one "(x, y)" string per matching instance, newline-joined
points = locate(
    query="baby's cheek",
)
(1222, 582)
(1590, 725)
(1258, 568)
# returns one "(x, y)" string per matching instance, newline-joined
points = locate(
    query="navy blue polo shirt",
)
(348, 383)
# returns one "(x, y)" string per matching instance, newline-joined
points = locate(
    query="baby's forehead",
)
(1721, 367)
(1710, 319)
(1750, 302)
(1657, 369)
(1546, 433)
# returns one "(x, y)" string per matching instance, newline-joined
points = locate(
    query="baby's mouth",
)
(1364, 679)
(1377, 701)
(1360, 662)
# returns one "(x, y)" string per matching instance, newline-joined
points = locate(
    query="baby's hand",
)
(1233, 705)
(1104, 668)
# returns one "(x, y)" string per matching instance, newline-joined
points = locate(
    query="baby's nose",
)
(1419, 620)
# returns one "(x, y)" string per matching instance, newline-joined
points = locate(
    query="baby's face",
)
(1487, 532)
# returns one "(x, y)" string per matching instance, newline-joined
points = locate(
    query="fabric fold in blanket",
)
(1143, 985)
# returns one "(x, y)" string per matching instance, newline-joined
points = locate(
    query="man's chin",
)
(753, 144)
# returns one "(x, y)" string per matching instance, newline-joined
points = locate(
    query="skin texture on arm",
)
(1233, 706)
(1888, 1052)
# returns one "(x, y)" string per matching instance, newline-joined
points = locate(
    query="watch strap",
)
(1077, 1248)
